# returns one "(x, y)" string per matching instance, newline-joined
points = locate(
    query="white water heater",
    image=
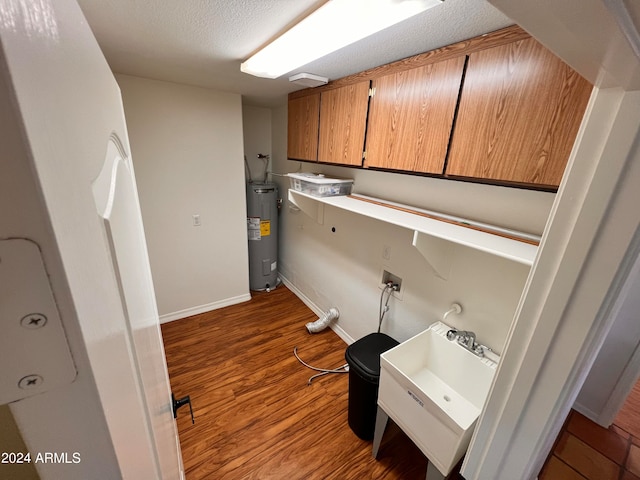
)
(262, 233)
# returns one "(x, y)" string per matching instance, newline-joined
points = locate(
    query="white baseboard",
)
(346, 338)
(587, 412)
(187, 312)
(317, 310)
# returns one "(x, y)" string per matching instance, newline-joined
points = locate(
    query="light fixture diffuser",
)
(308, 79)
(334, 25)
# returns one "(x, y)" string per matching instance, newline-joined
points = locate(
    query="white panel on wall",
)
(187, 149)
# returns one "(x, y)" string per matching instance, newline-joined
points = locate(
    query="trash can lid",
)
(364, 354)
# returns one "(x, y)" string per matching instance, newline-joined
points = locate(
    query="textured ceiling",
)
(202, 43)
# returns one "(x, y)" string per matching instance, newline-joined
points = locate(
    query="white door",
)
(117, 204)
(89, 229)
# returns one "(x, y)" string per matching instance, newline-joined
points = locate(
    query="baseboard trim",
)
(587, 412)
(187, 312)
(346, 338)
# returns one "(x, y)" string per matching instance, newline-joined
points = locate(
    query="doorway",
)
(601, 436)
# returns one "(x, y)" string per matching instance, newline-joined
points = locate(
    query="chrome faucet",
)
(467, 340)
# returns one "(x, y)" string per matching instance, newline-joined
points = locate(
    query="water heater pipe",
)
(323, 321)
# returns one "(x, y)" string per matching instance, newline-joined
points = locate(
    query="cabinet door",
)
(411, 116)
(302, 135)
(343, 121)
(519, 114)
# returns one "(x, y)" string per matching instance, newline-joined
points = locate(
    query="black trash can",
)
(363, 357)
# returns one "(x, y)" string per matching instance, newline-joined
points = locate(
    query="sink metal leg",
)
(433, 473)
(381, 424)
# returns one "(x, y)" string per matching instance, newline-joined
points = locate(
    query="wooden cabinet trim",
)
(465, 47)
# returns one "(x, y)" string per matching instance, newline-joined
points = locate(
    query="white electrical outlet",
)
(196, 220)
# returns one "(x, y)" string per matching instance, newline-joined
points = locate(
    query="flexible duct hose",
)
(323, 321)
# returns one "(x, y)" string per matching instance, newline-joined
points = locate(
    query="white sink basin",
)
(435, 389)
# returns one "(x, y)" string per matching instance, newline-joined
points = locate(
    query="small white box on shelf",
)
(320, 186)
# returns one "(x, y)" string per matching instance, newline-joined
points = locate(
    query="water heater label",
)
(265, 228)
(253, 228)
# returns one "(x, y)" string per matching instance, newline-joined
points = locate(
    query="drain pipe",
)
(323, 321)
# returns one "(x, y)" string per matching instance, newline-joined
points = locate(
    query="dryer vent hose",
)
(323, 321)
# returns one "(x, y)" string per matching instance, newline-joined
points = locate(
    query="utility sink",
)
(434, 389)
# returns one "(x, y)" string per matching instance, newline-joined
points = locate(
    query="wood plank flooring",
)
(256, 417)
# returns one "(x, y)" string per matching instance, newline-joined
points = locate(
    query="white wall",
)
(343, 268)
(187, 149)
(256, 125)
(615, 356)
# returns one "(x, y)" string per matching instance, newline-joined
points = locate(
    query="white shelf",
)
(429, 233)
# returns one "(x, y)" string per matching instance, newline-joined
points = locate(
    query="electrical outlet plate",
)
(387, 276)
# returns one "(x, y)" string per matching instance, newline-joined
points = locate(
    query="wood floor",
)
(256, 417)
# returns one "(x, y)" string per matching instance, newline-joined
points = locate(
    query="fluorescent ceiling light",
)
(334, 25)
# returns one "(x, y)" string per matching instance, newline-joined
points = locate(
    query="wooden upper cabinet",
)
(411, 115)
(499, 108)
(519, 114)
(343, 122)
(303, 118)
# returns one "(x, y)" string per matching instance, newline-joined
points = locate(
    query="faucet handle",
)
(480, 349)
(451, 334)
